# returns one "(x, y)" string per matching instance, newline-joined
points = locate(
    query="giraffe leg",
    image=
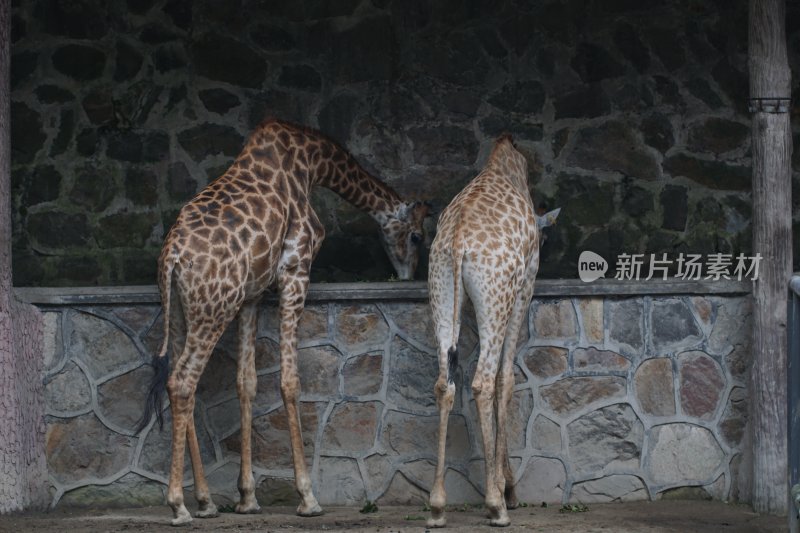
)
(205, 506)
(445, 391)
(292, 299)
(505, 390)
(181, 388)
(483, 389)
(493, 299)
(246, 386)
(178, 402)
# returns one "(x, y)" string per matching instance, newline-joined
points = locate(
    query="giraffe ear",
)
(413, 210)
(548, 219)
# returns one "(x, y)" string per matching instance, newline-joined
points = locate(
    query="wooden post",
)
(23, 469)
(772, 238)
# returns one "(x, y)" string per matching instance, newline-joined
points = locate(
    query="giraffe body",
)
(486, 248)
(253, 229)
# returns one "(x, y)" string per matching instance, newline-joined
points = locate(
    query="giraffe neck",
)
(343, 175)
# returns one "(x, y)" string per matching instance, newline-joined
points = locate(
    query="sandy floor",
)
(672, 516)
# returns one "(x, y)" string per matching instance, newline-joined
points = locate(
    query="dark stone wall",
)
(632, 114)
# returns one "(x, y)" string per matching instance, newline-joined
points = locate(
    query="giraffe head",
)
(402, 236)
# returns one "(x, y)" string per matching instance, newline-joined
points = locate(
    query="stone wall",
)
(641, 396)
(632, 114)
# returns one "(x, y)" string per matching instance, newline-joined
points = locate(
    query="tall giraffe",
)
(486, 247)
(250, 230)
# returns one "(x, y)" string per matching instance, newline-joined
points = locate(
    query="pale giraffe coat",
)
(487, 248)
(253, 229)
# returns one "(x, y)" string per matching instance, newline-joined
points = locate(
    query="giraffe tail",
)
(154, 403)
(452, 352)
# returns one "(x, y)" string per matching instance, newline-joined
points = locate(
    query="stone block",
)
(44, 185)
(675, 207)
(120, 399)
(594, 63)
(318, 368)
(653, 385)
(363, 375)
(413, 435)
(340, 482)
(68, 391)
(519, 412)
(211, 55)
(594, 360)
(525, 97)
(271, 446)
(402, 492)
(572, 394)
(126, 229)
(625, 324)
(657, 132)
(546, 435)
(208, 139)
(268, 354)
(79, 62)
(443, 145)
(613, 146)
(156, 455)
(139, 318)
(543, 480)
(100, 345)
(379, 472)
(53, 347)
(734, 420)
(74, 229)
(615, 488)
(546, 361)
(414, 321)
(731, 334)
(701, 384)
(457, 486)
(83, 448)
(131, 490)
(360, 328)
(682, 453)
(589, 101)
(674, 325)
(703, 310)
(554, 319)
(411, 378)
(277, 491)
(351, 427)
(591, 310)
(717, 135)
(606, 440)
(712, 174)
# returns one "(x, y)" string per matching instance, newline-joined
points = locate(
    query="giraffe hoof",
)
(252, 508)
(182, 520)
(209, 511)
(313, 510)
(512, 503)
(500, 521)
(436, 522)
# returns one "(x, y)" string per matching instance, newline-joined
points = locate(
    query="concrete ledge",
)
(399, 290)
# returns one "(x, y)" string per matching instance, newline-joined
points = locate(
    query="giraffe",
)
(487, 248)
(250, 230)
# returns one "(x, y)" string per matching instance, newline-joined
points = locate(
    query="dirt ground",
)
(665, 516)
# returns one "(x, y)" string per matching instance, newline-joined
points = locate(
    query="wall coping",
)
(398, 290)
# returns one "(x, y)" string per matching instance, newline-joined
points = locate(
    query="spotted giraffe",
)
(487, 248)
(253, 229)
